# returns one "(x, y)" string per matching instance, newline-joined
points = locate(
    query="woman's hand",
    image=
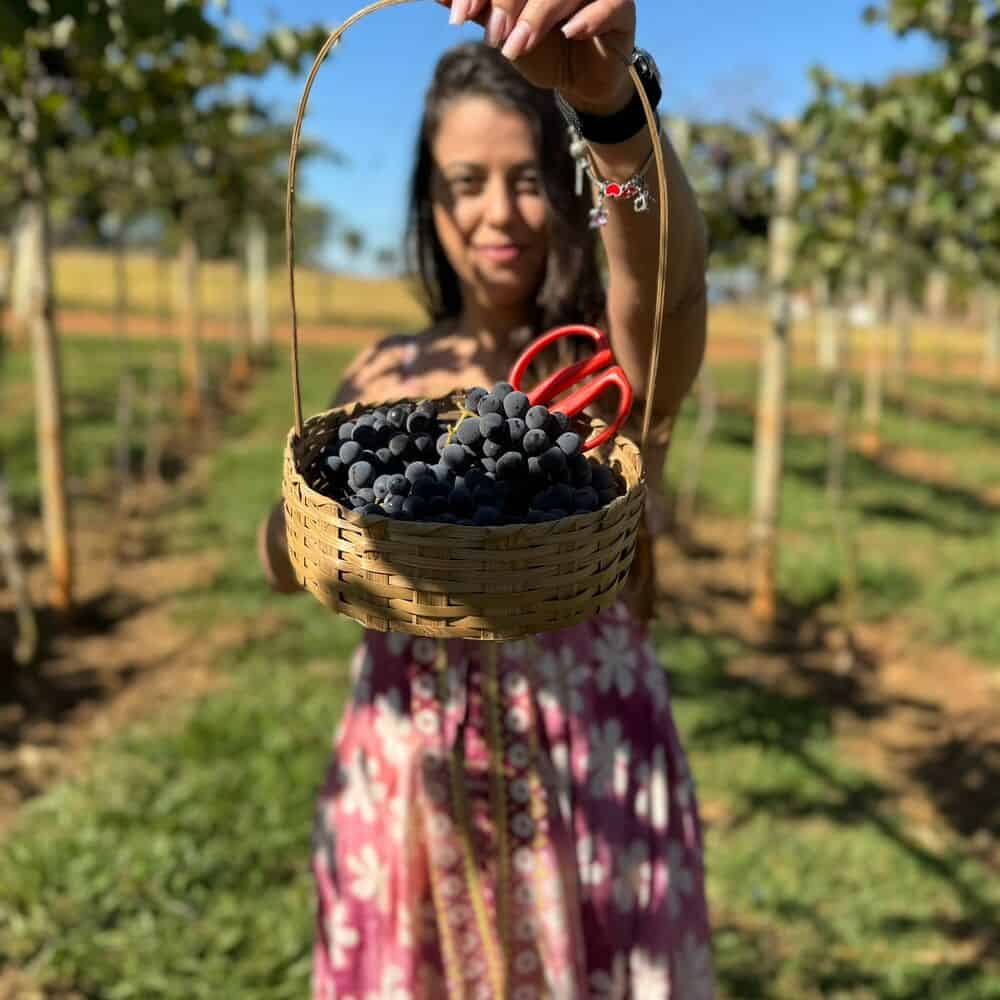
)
(577, 47)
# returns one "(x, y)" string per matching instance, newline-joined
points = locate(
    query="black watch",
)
(623, 124)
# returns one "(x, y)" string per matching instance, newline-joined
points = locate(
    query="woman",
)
(584, 878)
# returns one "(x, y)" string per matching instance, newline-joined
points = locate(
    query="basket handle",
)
(661, 278)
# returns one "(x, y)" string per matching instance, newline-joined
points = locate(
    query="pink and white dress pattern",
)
(510, 822)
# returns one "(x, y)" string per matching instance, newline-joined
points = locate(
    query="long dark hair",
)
(571, 291)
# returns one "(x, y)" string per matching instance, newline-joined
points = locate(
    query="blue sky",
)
(719, 58)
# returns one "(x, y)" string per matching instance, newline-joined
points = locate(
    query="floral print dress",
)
(510, 821)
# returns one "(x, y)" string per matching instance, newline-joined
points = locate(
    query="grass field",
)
(84, 280)
(178, 867)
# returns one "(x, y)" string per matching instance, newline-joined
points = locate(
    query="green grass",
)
(179, 867)
(927, 551)
(91, 371)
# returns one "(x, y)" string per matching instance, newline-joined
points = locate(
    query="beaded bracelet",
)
(634, 189)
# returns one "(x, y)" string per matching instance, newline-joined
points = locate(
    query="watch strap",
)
(624, 124)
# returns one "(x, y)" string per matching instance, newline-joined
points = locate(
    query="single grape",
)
(441, 472)
(335, 464)
(469, 432)
(365, 420)
(516, 404)
(350, 452)
(345, 430)
(356, 502)
(442, 442)
(428, 408)
(602, 477)
(462, 501)
(516, 429)
(502, 389)
(536, 441)
(562, 494)
(417, 470)
(399, 445)
(366, 435)
(415, 507)
(580, 470)
(570, 444)
(426, 488)
(385, 458)
(489, 404)
(535, 470)
(490, 464)
(493, 449)
(371, 510)
(367, 494)
(473, 477)
(510, 465)
(397, 417)
(379, 414)
(454, 457)
(381, 487)
(393, 504)
(486, 516)
(424, 444)
(560, 422)
(419, 422)
(399, 485)
(493, 427)
(553, 461)
(586, 499)
(360, 474)
(537, 418)
(473, 396)
(437, 504)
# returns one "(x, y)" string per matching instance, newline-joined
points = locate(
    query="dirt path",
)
(924, 720)
(123, 657)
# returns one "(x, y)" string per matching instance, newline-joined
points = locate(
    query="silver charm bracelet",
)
(634, 189)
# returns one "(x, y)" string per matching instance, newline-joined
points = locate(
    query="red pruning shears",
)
(602, 365)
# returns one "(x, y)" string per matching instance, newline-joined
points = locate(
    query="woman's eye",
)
(464, 185)
(529, 184)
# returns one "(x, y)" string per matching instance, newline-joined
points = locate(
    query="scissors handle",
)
(601, 364)
(545, 389)
(579, 400)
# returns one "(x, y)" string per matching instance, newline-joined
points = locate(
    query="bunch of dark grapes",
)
(503, 462)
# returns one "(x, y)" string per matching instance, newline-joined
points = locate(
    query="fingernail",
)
(518, 40)
(459, 11)
(497, 27)
(574, 26)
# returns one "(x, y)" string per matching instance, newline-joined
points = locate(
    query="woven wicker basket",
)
(457, 580)
(441, 580)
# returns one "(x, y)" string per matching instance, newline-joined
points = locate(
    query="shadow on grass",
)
(748, 711)
(883, 492)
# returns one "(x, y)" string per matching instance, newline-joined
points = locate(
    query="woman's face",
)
(488, 206)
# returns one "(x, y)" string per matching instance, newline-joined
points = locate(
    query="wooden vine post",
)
(257, 291)
(48, 397)
(190, 325)
(874, 382)
(770, 421)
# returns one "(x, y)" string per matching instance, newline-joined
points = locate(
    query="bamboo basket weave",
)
(456, 581)
(459, 581)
